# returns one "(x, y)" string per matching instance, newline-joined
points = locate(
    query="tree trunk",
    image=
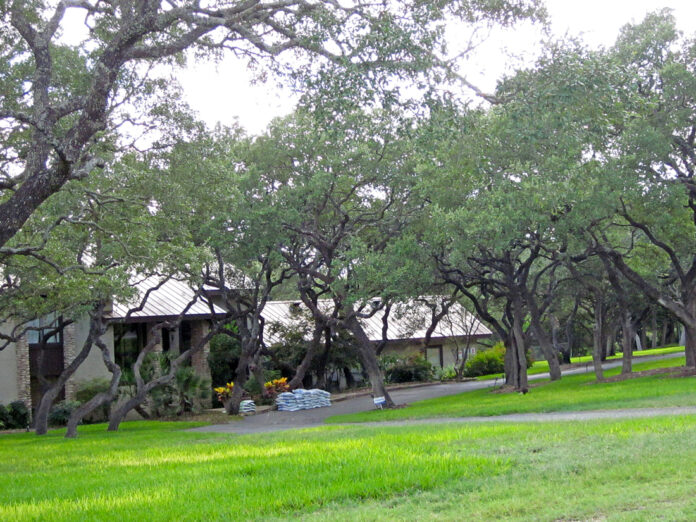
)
(100, 398)
(368, 358)
(520, 357)
(348, 374)
(690, 346)
(547, 350)
(144, 389)
(44, 408)
(598, 339)
(301, 370)
(323, 360)
(240, 378)
(627, 333)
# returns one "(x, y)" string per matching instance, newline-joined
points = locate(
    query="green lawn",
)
(632, 469)
(543, 366)
(571, 393)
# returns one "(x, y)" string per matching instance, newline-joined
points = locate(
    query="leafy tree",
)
(59, 100)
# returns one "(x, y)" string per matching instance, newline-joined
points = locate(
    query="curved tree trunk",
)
(143, 389)
(100, 398)
(368, 358)
(520, 357)
(44, 408)
(301, 370)
(240, 379)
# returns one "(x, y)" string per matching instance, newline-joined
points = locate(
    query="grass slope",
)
(543, 366)
(571, 393)
(592, 470)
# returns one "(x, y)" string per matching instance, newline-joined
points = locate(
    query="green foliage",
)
(60, 412)
(18, 414)
(4, 418)
(187, 393)
(448, 373)
(86, 390)
(223, 358)
(414, 368)
(486, 362)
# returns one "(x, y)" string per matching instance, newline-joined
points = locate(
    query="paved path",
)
(283, 420)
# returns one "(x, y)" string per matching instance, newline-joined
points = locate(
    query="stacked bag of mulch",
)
(303, 400)
(287, 401)
(247, 407)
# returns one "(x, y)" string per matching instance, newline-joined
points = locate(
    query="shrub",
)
(4, 418)
(86, 390)
(186, 393)
(490, 361)
(486, 362)
(448, 373)
(60, 412)
(18, 414)
(413, 368)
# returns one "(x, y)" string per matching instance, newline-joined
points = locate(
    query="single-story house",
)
(128, 333)
(408, 323)
(125, 336)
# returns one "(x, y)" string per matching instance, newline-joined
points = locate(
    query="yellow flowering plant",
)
(224, 392)
(277, 386)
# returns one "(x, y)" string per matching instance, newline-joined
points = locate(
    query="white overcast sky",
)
(224, 92)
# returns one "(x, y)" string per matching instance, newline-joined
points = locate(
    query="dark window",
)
(129, 339)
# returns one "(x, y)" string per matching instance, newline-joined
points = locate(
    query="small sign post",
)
(379, 402)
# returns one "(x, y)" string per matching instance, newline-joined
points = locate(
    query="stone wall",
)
(23, 372)
(69, 353)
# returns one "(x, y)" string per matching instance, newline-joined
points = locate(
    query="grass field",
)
(592, 470)
(543, 366)
(571, 393)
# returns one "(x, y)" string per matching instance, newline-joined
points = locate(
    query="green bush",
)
(448, 373)
(60, 412)
(86, 390)
(414, 368)
(486, 362)
(490, 361)
(4, 418)
(18, 414)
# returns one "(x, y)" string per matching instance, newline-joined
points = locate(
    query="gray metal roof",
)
(167, 301)
(407, 320)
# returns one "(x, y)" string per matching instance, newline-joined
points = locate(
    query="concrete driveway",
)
(285, 420)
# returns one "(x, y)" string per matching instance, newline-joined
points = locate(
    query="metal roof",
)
(407, 320)
(169, 300)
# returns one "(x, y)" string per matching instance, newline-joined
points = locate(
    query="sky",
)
(225, 92)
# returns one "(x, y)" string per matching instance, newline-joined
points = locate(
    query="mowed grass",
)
(629, 469)
(543, 366)
(571, 393)
(156, 471)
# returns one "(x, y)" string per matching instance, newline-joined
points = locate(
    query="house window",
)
(129, 339)
(45, 330)
(433, 355)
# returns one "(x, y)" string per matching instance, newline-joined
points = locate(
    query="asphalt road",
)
(284, 420)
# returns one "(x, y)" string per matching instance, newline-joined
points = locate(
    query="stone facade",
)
(69, 353)
(23, 372)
